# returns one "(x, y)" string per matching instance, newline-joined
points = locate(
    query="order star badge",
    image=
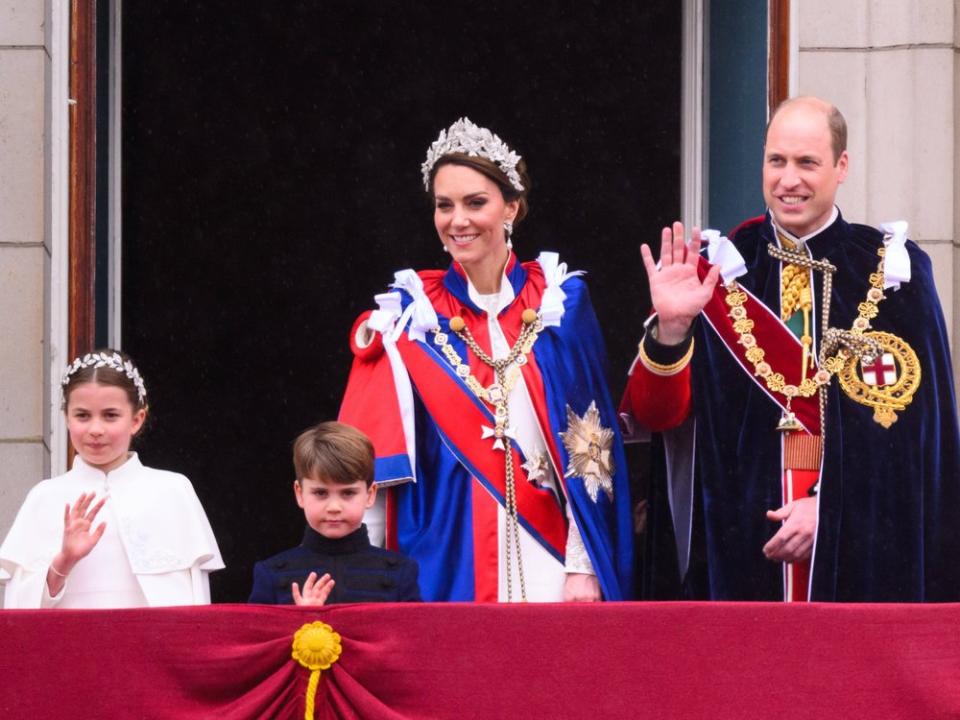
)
(589, 444)
(538, 469)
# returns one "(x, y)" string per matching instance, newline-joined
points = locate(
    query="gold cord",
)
(505, 372)
(662, 369)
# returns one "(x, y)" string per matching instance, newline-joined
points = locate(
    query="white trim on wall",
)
(58, 104)
(793, 72)
(691, 111)
(115, 156)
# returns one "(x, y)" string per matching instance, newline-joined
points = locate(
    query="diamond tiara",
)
(109, 360)
(465, 137)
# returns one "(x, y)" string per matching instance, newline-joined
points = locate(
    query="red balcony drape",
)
(618, 660)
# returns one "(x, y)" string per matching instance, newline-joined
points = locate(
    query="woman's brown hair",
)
(490, 169)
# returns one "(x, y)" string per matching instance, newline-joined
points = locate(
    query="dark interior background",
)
(271, 165)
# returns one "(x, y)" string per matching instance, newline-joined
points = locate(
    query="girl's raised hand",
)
(315, 592)
(78, 540)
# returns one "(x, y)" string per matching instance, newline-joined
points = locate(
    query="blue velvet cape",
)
(889, 511)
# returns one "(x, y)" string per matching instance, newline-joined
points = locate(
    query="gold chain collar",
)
(506, 370)
(836, 346)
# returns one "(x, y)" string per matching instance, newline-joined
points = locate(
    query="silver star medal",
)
(589, 446)
(538, 469)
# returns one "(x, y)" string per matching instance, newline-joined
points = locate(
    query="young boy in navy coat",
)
(335, 562)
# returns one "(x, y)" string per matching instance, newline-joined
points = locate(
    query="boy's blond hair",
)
(333, 452)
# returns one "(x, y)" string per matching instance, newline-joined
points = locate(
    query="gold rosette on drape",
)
(315, 646)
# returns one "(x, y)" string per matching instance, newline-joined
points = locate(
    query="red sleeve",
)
(373, 348)
(654, 401)
(372, 404)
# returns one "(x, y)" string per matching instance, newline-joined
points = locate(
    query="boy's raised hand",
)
(315, 591)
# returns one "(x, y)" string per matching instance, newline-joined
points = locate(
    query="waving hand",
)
(677, 292)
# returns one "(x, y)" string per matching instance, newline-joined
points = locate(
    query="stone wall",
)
(893, 69)
(24, 252)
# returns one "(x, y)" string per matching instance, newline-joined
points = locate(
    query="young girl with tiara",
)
(109, 533)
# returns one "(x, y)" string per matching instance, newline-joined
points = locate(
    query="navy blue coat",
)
(362, 572)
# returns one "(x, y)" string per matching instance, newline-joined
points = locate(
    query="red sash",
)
(459, 415)
(783, 350)
(796, 576)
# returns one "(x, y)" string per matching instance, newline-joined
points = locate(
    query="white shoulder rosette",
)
(390, 318)
(722, 252)
(896, 262)
(555, 273)
(420, 313)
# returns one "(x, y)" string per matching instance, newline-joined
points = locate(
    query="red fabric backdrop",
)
(618, 660)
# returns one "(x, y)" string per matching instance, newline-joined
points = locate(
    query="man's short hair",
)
(334, 452)
(835, 122)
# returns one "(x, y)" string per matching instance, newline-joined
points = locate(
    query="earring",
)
(445, 249)
(508, 231)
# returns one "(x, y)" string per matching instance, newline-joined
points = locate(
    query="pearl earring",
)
(508, 231)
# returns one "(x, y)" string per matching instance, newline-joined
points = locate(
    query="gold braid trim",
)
(794, 280)
(665, 370)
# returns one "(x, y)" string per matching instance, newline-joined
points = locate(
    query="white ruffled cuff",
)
(577, 560)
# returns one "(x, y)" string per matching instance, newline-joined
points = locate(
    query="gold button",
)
(457, 324)
(529, 316)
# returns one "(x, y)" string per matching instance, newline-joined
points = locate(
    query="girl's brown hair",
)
(105, 376)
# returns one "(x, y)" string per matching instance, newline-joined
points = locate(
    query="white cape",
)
(162, 528)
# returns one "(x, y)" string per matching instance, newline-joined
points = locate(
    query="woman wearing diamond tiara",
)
(482, 387)
(111, 532)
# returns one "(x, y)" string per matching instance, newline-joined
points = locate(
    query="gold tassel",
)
(315, 646)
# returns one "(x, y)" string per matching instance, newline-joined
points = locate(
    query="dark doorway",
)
(271, 164)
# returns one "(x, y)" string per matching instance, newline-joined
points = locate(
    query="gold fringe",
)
(802, 451)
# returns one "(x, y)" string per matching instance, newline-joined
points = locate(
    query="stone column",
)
(24, 252)
(893, 69)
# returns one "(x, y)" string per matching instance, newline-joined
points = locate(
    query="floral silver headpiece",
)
(465, 137)
(113, 361)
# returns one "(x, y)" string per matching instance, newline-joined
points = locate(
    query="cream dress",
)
(158, 548)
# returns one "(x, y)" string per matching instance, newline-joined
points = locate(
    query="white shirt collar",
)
(495, 301)
(801, 241)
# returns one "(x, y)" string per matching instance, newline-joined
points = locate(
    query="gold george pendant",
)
(788, 422)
